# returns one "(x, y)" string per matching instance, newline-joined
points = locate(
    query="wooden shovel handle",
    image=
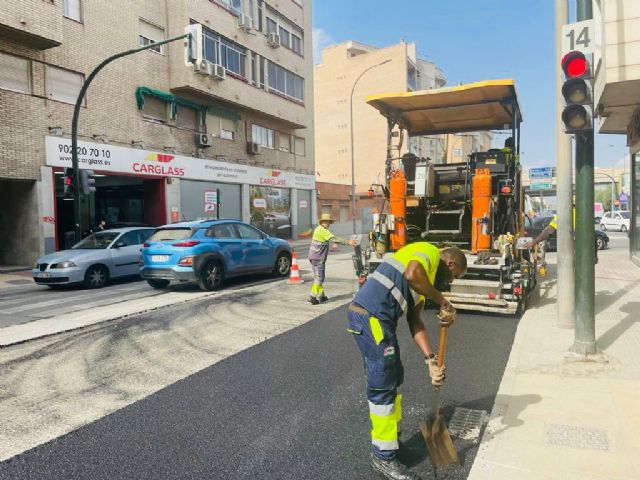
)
(442, 346)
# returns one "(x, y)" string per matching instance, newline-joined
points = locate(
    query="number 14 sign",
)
(585, 36)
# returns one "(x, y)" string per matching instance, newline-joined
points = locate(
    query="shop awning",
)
(488, 105)
(174, 100)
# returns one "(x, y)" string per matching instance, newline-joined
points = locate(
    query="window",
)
(72, 9)
(284, 142)
(130, 238)
(457, 152)
(187, 118)
(247, 232)
(286, 82)
(149, 34)
(15, 73)
(326, 209)
(221, 127)
(225, 230)
(224, 52)
(299, 146)
(63, 85)
(155, 109)
(290, 34)
(262, 136)
(344, 213)
(234, 5)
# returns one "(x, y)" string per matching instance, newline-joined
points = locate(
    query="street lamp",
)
(353, 169)
(613, 186)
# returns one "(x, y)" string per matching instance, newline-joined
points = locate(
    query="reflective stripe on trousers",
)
(381, 354)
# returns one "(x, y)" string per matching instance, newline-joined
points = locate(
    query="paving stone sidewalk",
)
(560, 419)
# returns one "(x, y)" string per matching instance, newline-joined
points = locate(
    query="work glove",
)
(435, 372)
(447, 314)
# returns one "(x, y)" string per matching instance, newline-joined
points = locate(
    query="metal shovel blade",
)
(439, 444)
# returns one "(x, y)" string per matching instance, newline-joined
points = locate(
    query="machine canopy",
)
(488, 105)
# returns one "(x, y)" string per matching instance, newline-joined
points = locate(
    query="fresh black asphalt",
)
(292, 407)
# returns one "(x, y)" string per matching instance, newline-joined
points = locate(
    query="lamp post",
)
(353, 168)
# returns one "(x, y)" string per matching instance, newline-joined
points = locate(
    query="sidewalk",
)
(15, 278)
(558, 419)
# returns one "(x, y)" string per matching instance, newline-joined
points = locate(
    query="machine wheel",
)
(283, 265)
(158, 283)
(600, 243)
(211, 276)
(603, 227)
(96, 276)
(623, 228)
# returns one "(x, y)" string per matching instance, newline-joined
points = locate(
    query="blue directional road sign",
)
(544, 172)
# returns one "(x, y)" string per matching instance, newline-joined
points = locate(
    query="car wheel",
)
(158, 283)
(283, 265)
(623, 228)
(600, 243)
(96, 276)
(211, 276)
(603, 227)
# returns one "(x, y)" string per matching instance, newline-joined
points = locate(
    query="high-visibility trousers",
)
(385, 373)
(317, 290)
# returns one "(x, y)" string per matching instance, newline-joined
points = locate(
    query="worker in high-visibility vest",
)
(398, 287)
(553, 227)
(318, 252)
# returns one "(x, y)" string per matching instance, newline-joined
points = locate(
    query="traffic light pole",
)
(585, 335)
(74, 126)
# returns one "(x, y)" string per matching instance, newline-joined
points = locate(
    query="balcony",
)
(34, 23)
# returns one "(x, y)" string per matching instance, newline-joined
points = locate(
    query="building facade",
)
(231, 137)
(617, 91)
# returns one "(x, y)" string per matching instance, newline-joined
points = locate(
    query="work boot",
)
(323, 298)
(313, 300)
(391, 469)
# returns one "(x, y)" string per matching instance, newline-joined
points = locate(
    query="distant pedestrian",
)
(318, 252)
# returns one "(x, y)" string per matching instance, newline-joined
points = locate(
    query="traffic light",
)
(87, 182)
(577, 115)
(193, 44)
(68, 181)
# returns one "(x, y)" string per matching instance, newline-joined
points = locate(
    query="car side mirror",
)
(119, 244)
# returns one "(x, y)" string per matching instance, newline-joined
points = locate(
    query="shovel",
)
(434, 430)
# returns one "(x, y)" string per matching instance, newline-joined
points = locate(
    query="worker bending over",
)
(397, 287)
(318, 252)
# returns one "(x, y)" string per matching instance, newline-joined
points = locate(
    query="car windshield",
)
(625, 215)
(168, 234)
(100, 240)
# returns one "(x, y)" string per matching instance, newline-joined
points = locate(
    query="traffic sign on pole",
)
(544, 172)
(541, 186)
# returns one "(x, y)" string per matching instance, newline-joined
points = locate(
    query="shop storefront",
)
(634, 234)
(135, 186)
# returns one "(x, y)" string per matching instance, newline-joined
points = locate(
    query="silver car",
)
(95, 259)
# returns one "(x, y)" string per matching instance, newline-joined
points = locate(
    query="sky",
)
(471, 40)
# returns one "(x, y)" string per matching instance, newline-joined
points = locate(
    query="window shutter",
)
(151, 31)
(63, 85)
(14, 73)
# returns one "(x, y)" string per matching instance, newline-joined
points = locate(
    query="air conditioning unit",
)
(253, 148)
(245, 22)
(204, 139)
(218, 72)
(273, 40)
(202, 67)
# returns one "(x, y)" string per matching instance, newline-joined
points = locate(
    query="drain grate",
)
(577, 437)
(466, 423)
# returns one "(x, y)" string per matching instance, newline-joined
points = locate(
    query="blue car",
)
(210, 251)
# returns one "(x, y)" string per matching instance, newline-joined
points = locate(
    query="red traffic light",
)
(575, 64)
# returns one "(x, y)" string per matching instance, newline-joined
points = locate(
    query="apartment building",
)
(617, 92)
(231, 137)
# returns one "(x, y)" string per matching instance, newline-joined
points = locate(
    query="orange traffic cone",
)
(294, 278)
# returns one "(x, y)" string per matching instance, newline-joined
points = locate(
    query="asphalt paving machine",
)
(477, 205)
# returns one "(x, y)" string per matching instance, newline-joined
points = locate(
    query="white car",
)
(616, 221)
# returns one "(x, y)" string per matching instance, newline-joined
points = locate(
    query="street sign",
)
(579, 36)
(544, 172)
(541, 186)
